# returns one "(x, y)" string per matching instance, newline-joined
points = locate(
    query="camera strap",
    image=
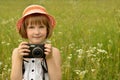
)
(23, 66)
(44, 67)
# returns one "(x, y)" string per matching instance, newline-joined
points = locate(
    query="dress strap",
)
(44, 67)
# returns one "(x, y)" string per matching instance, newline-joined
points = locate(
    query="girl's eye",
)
(41, 26)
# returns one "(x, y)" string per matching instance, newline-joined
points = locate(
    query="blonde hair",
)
(35, 19)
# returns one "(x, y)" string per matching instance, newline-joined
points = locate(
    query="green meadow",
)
(87, 34)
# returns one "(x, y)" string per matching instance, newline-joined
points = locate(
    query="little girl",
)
(36, 25)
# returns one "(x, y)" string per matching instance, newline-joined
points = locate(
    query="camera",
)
(36, 51)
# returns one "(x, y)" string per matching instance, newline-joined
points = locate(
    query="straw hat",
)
(35, 9)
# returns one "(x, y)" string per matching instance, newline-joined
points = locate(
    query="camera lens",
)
(37, 52)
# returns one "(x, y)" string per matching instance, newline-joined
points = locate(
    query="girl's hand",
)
(23, 49)
(48, 50)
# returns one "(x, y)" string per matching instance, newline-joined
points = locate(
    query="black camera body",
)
(36, 51)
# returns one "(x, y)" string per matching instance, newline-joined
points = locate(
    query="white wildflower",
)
(93, 70)
(48, 41)
(102, 51)
(70, 56)
(77, 71)
(79, 56)
(3, 42)
(99, 45)
(9, 70)
(8, 44)
(60, 32)
(20, 40)
(72, 45)
(80, 51)
(110, 41)
(82, 73)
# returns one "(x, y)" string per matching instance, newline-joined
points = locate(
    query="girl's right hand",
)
(22, 49)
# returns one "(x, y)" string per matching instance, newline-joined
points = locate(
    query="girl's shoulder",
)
(56, 53)
(15, 49)
(55, 50)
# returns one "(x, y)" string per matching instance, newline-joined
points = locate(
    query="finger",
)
(23, 51)
(24, 47)
(48, 55)
(49, 50)
(24, 54)
(23, 43)
(48, 46)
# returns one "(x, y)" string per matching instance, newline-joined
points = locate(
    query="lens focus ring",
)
(37, 52)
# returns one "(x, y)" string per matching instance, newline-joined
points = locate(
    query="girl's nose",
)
(37, 31)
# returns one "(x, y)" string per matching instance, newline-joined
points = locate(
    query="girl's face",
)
(36, 28)
(36, 33)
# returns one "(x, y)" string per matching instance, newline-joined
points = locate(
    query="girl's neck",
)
(43, 42)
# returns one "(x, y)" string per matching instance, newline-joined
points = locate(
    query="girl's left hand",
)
(48, 50)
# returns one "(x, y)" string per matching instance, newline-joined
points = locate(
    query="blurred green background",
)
(87, 34)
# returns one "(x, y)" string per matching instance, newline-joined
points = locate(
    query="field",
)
(87, 34)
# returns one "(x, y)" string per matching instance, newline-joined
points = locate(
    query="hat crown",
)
(31, 8)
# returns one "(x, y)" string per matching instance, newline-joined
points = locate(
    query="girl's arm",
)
(16, 72)
(54, 64)
(17, 58)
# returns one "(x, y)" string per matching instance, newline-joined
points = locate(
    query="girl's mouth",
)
(36, 36)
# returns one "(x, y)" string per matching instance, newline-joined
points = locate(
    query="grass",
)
(87, 34)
